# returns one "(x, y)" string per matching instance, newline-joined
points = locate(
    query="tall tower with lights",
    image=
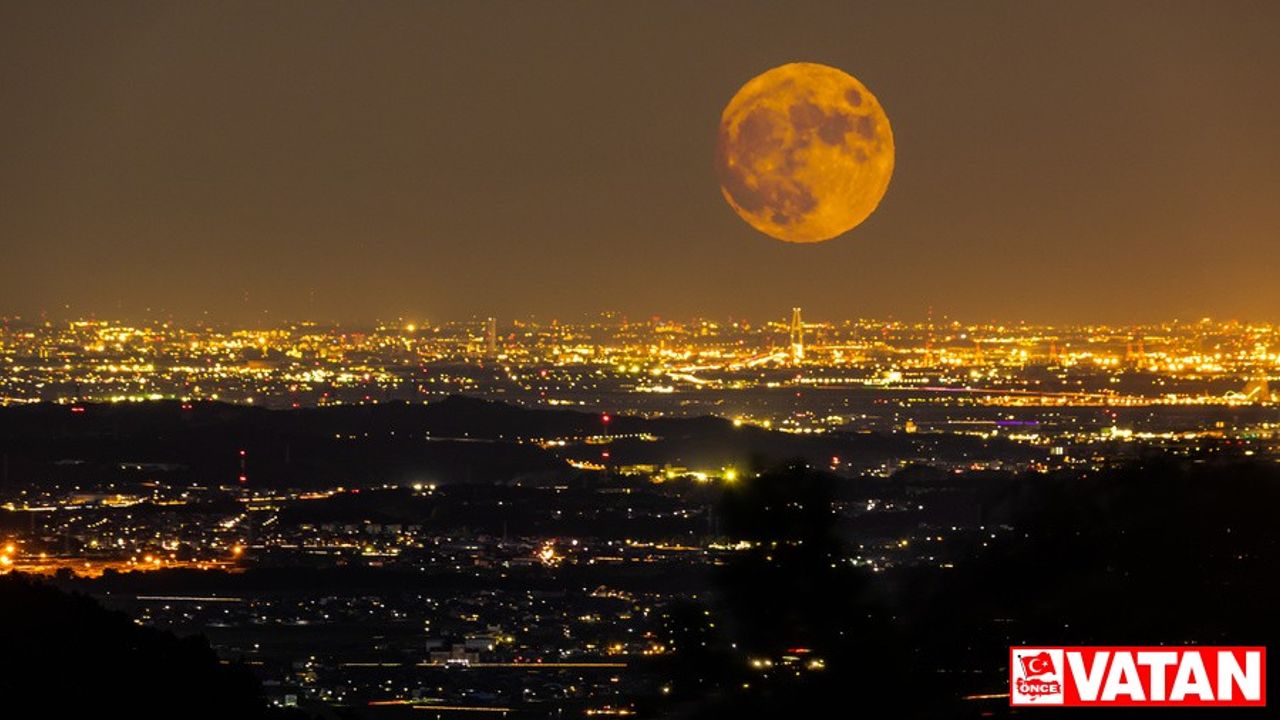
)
(797, 336)
(491, 338)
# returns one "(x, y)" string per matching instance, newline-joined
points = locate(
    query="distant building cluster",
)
(597, 362)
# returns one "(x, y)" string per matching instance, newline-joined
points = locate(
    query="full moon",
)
(805, 152)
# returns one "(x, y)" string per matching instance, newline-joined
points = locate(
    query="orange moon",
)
(805, 152)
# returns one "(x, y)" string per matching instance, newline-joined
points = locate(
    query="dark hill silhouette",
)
(457, 439)
(66, 656)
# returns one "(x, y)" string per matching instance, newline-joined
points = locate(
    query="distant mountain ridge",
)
(456, 439)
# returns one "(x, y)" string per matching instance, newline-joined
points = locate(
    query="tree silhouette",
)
(1156, 553)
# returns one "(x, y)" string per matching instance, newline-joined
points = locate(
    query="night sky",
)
(263, 161)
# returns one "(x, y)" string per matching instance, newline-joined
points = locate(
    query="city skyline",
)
(652, 365)
(496, 159)
(925, 317)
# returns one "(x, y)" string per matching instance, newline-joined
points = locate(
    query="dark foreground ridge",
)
(66, 653)
(1150, 554)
